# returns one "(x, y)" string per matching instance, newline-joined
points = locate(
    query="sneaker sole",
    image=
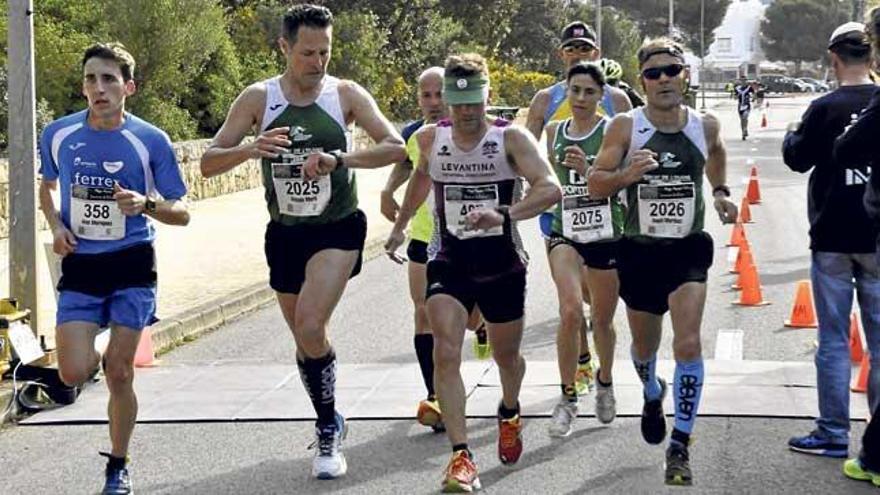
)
(430, 419)
(834, 454)
(679, 480)
(330, 476)
(556, 434)
(455, 487)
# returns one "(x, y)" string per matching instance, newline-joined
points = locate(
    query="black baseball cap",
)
(578, 32)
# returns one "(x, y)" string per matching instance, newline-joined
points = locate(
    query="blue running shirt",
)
(87, 162)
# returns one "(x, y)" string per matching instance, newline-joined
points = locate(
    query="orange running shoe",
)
(510, 445)
(429, 415)
(461, 474)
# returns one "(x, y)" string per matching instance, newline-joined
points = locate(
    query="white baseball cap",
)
(850, 32)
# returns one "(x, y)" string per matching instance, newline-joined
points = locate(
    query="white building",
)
(737, 45)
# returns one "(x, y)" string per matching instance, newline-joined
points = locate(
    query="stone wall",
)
(245, 176)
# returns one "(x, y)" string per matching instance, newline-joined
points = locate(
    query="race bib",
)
(666, 210)
(297, 196)
(462, 199)
(94, 214)
(586, 220)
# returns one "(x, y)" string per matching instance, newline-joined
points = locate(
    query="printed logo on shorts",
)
(113, 167)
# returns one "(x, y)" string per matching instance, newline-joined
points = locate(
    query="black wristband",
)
(721, 188)
(338, 155)
(504, 211)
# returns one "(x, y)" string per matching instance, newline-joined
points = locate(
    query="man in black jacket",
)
(842, 237)
(859, 143)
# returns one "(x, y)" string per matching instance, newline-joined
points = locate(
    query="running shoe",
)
(816, 444)
(854, 469)
(329, 462)
(482, 349)
(510, 445)
(461, 474)
(653, 419)
(606, 404)
(429, 415)
(117, 481)
(564, 414)
(584, 378)
(678, 467)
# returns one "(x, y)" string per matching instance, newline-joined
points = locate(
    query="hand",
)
(395, 240)
(792, 126)
(642, 162)
(483, 219)
(270, 144)
(575, 158)
(388, 205)
(63, 241)
(726, 209)
(130, 202)
(318, 164)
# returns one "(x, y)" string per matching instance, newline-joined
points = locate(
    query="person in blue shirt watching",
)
(116, 174)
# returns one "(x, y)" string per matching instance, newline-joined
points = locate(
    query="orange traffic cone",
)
(753, 192)
(746, 265)
(763, 120)
(861, 382)
(754, 172)
(745, 214)
(743, 259)
(144, 357)
(803, 314)
(751, 289)
(737, 235)
(856, 351)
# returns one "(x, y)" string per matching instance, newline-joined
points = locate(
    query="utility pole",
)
(599, 21)
(703, 53)
(22, 157)
(672, 19)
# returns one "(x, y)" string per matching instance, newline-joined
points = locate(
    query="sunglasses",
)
(654, 73)
(581, 48)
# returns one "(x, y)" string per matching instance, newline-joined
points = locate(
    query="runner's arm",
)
(389, 147)
(535, 120)
(620, 101)
(606, 176)
(420, 183)
(226, 151)
(544, 190)
(550, 133)
(63, 240)
(716, 169)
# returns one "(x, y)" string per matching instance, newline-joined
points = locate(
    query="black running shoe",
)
(653, 419)
(678, 467)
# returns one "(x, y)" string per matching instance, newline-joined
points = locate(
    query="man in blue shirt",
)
(116, 172)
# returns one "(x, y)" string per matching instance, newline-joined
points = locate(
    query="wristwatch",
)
(504, 211)
(723, 189)
(338, 155)
(150, 205)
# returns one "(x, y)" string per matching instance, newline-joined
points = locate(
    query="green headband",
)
(466, 90)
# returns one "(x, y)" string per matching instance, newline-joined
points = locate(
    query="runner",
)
(315, 238)
(433, 109)
(117, 174)
(584, 234)
(470, 160)
(578, 44)
(614, 77)
(658, 153)
(744, 94)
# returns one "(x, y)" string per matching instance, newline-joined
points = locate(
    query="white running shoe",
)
(563, 416)
(606, 404)
(329, 462)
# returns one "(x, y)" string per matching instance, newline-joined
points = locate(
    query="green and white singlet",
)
(578, 217)
(320, 126)
(668, 201)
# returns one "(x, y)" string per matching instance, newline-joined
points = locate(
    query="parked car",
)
(776, 83)
(817, 85)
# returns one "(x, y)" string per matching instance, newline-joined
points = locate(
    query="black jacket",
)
(862, 142)
(838, 220)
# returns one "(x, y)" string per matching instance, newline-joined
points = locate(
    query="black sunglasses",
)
(670, 70)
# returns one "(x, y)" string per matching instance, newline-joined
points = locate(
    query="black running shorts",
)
(501, 299)
(651, 269)
(600, 255)
(289, 248)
